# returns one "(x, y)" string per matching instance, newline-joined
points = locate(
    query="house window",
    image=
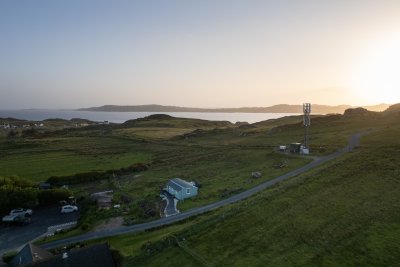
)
(187, 190)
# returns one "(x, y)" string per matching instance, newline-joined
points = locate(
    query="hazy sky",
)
(81, 53)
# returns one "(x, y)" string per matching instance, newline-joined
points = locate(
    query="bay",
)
(120, 117)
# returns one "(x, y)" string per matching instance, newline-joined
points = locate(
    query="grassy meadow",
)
(340, 214)
(38, 159)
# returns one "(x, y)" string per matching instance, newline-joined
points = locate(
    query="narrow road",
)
(353, 142)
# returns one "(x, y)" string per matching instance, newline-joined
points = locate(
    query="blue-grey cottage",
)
(181, 189)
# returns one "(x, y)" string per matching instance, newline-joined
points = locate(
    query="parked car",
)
(21, 211)
(68, 209)
(16, 219)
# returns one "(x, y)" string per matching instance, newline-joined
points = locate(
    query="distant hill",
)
(166, 121)
(393, 108)
(281, 108)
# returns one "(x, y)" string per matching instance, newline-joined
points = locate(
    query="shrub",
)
(29, 132)
(85, 226)
(94, 176)
(117, 257)
(8, 256)
(48, 197)
(12, 134)
(11, 197)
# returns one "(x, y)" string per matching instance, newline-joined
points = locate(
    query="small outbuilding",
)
(282, 148)
(304, 151)
(44, 186)
(181, 189)
(103, 199)
(295, 147)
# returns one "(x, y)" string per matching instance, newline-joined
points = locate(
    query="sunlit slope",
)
(57, 151)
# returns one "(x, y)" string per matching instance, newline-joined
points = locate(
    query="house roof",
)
(179, 184)
(29, 254)
(97, 255)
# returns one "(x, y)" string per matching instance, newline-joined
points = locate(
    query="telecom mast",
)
(306, 123)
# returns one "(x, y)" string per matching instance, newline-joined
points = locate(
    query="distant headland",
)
(281, 108)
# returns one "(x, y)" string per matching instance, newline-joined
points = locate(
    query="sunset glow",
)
(377, 78)
(207, 54)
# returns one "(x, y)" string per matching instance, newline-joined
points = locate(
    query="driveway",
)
(11, 237)
(170, 208)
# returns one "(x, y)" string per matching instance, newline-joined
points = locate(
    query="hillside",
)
(393, 108)
(342, 214)
(282, 108)
(166, 121)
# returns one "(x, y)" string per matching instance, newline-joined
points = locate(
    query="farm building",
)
(181, 189)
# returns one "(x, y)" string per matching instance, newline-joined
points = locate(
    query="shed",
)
(295, 147)
(44, 186)
(181, 189)
(103, 199)
(305, 151)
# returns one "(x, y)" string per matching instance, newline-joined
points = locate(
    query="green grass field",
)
(41, 158)
(342, 214)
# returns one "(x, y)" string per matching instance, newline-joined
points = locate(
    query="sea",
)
(120, 117)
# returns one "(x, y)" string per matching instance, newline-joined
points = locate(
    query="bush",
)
(12, 197)
(138, 167)
(94, 176)
(117, 257)
(48, 197)
(15, 181)
(29, 133)
(85, 226)
(12, 134)
(16, 192)
(77, 178)
(7, 257)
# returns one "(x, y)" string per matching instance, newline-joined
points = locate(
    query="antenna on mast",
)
(306, 123)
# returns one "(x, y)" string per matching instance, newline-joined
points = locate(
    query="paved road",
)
(353, 142)
(12, 237)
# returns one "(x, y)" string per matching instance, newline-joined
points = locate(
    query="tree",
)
(12, 134)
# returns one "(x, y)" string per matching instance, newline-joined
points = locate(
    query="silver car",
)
(68, 209)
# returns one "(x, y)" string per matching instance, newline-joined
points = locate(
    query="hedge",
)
(94, 176)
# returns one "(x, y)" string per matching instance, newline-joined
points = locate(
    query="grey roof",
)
(29, 254)
(179, 184)
(97, 255)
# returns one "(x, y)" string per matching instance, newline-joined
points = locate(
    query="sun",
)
(377, 76)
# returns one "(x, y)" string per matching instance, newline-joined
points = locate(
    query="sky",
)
(84, 53)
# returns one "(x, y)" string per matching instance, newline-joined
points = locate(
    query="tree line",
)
(18, 192)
